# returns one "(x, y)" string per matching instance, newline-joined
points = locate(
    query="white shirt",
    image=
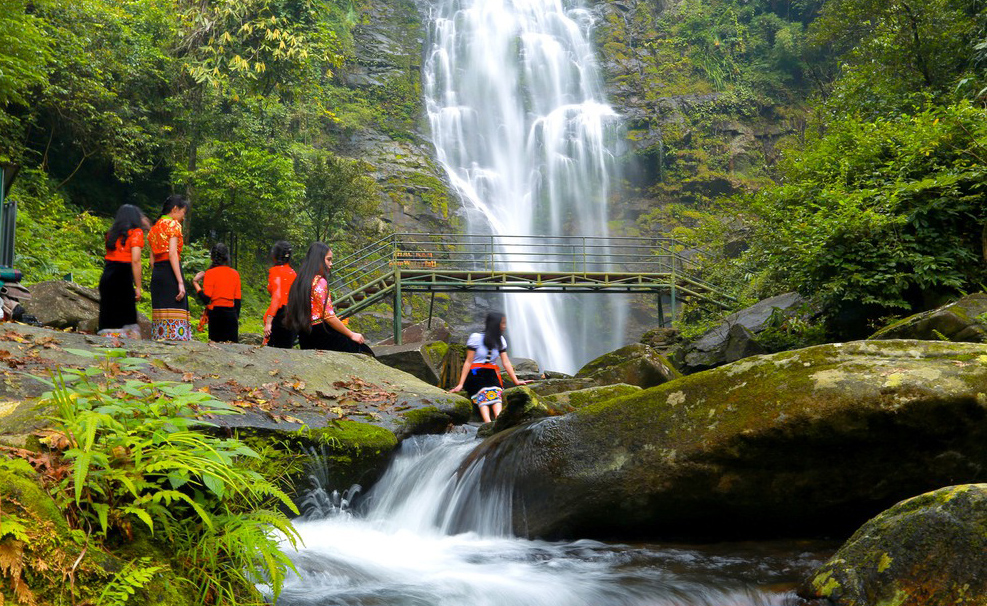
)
(484, 355)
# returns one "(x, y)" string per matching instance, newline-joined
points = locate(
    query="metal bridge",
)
(407, 263)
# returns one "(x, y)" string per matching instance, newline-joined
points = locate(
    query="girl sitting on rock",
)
(480, 376)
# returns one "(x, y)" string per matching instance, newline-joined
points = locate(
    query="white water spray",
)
(520, 124)
(431, 534)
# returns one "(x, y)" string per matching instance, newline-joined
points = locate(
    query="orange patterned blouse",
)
(161, 232)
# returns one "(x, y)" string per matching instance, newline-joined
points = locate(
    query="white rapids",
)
(427, 535)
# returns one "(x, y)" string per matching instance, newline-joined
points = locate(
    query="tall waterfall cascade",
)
(519, 122)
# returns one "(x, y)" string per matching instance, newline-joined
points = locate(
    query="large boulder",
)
(548, 387)
(804, 442)
(435, 330)
(962, 320)
(635, 364)
(421, 360)
(928, 550)
(733, 339)
(62, 304)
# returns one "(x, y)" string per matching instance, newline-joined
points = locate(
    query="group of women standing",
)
(300, 309)
(301, 306)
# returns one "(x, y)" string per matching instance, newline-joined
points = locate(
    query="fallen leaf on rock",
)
(188, 377)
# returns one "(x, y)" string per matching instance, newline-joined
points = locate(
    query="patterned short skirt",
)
(488, 396)
(483, 386)
(169, 318)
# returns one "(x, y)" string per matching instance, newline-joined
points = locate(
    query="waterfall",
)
(519, 123)
(435, 531)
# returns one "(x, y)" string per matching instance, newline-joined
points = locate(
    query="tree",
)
(337, 191)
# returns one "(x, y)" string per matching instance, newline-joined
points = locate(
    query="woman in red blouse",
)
(169, 305)
(220, 291)
(279, 280)
(310, 312)
(120, 284)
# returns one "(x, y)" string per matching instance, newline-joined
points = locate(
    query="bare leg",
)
(496, 410)
(485, 413)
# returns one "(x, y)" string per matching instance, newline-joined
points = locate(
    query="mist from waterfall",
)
(520, 124)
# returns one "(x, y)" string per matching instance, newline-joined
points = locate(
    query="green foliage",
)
(134, 576)
(139, 457)
(337, 190)
(24, 52)
(885, 213)
(53, 238)
(889, 51)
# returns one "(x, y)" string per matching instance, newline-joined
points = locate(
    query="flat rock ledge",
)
(349, 401)
(803, 443)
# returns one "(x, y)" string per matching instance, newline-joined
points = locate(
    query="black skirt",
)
(281, 336)
(328, 338)
(117, 297)
(478, 378)
(164, 288)
(224, 326)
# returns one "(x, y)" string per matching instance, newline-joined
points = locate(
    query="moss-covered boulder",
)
(963, 320)
(927, 550)
(805, 442)
(635, 364)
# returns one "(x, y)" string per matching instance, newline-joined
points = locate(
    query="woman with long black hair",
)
(120, 284)
(310, 313)
(279, 280)
(169, 305)
(220, 292)
(480, 376)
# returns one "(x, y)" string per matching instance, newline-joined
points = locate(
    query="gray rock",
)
(61, 304)
(710, 350)
(635, 364)
(929, 549)
(422, 332)
(552, 386)
(416, 359)
(962, 320)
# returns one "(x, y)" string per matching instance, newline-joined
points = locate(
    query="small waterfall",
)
(519, 122)
(435, 531)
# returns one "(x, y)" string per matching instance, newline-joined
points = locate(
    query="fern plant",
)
(141, 455)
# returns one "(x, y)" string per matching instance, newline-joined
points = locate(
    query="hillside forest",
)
(869, 198)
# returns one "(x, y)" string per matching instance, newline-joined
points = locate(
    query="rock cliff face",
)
(389, 49)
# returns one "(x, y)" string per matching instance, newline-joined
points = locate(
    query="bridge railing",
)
(516, 253)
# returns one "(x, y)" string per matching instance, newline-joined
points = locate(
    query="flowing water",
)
(427, 535)
(520, 124)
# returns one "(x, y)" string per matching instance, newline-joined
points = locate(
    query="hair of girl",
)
(491, 330)
(298, 317)
(281, 252)
(174, 201)
(220, 255)
(128, 217)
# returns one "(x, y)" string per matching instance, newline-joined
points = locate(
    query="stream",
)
(426, 535)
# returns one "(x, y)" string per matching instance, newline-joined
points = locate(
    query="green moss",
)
(434, 352)
(825, 584)
(584, 397)
(354, 436)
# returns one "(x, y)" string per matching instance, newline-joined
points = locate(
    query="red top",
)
(122, 254)
(222, 286)
(279, 281)
(161, 233)
(321, 301)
